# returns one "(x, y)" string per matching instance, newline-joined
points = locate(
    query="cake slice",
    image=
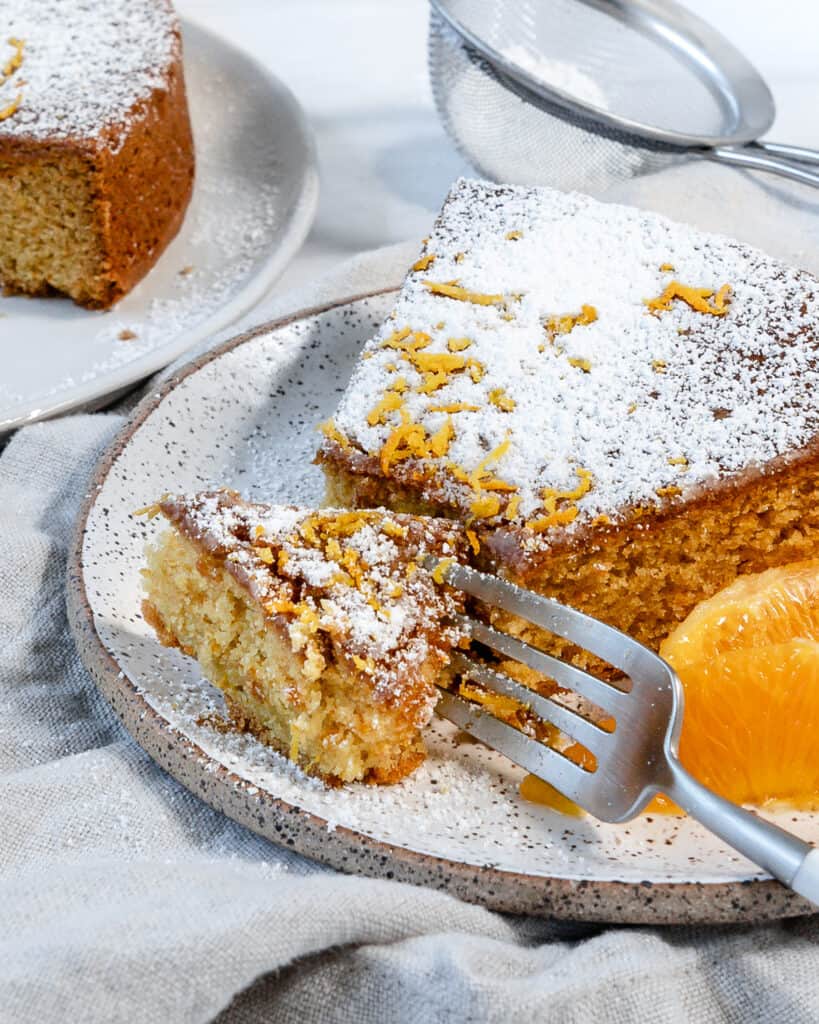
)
(96, 153)
(621, 410)
(323, 629)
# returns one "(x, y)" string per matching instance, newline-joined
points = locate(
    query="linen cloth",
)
(123, 898)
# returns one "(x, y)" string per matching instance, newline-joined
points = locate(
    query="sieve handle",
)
(791, 153)
(755, 158)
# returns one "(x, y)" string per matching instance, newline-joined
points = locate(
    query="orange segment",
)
(751, 723)
(749, 662)
(763, 608)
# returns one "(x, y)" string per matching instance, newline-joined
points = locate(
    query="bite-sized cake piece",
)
(96, 153)
(620, 408)
(323, 629)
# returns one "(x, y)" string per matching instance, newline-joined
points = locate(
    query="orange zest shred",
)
(668, 492)
(391, 402)
(425, 262)
(667, 268)
(406, 440)
(454, 407)
(440, 570)
(394, 340)
(659, 365)
(364, 664)
(485, 506)
(438, 362)
(492, 483)
(441, 440)
(266, 555)
(151, 511)
(564, 323)
(512, 507)
(694, 298)
(333, 549)
(432, 382)
(458, 344)
(513, 236)
(474, 543)
(482, 469)
(12, 107)
(561, 516)
(498, 397)
(14, 62)
(332, 433)
(581, 364)
(476, 370)
(497, 704)
(582, 488)
(393, 529)
(455, 291)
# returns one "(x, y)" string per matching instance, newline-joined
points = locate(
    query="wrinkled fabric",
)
(123, 898)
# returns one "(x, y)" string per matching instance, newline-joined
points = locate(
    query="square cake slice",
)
(621, 409)
(323, 629)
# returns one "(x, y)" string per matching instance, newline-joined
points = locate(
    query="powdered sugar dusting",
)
(354, 578)
(85, 63)
(560, 74)
(653, 402)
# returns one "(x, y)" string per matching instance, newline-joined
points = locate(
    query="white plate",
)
(253, 203)
(245, 417)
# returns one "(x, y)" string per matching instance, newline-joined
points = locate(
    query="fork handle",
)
(784, 855)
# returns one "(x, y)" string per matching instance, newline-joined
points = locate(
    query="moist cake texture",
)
(96, 153)
(621, 409)
(323, 629)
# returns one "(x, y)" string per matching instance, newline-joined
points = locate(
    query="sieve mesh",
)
(506, 138)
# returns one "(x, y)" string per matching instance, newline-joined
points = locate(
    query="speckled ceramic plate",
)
(253, 203)
(245, 416)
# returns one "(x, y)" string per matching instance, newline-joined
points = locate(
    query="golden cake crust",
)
(92, 195)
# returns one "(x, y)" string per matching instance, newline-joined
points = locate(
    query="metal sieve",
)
(584, 93)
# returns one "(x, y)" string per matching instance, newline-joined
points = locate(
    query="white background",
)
(358, 67)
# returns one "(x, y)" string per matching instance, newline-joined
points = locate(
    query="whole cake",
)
(621, 410)
(96, 153)
(323, 629)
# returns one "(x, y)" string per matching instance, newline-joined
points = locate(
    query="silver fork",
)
(635, 761)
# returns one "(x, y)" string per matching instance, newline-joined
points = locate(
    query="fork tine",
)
(571, 780)
(597, 740)
(604, 695)
(595, 636)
